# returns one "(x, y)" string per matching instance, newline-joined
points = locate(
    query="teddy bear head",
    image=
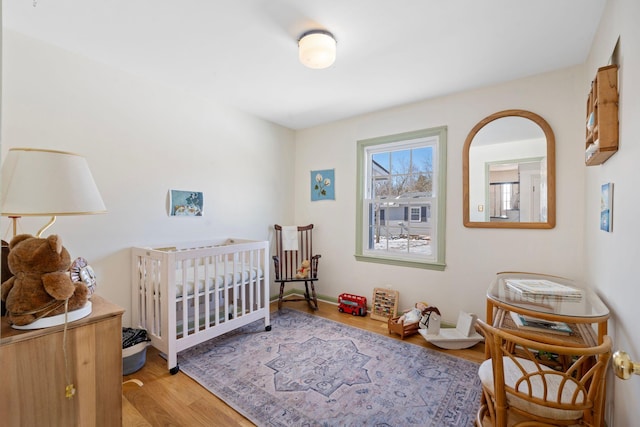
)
(37, 255)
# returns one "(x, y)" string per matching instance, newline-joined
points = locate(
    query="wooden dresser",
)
(33, 378)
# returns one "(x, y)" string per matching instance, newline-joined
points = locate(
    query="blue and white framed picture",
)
(185, 203)
(323, 185)
(606, 207)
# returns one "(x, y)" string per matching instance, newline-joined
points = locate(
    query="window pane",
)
(400, 162)
(380, 187)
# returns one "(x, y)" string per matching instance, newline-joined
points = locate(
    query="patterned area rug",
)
(310, 371)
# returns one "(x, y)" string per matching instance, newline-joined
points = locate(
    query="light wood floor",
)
(177, 400)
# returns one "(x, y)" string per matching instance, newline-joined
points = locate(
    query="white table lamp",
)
(38, 182)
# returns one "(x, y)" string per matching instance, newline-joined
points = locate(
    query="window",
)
(415, 213)
(506, 196)
(401, 204)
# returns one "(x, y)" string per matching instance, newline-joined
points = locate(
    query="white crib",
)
(189, 293)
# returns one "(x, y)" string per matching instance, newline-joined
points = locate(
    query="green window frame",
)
(396, 175)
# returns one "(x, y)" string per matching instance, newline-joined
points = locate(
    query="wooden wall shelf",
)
(602, 117)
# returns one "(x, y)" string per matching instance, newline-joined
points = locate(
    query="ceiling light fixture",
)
(317, 49)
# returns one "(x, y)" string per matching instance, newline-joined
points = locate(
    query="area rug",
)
(310, 371)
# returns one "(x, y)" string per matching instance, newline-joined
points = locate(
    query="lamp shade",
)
(317, 49)
(39, 182)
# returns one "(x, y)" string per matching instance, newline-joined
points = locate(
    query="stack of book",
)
(535, 290)
(540, 325)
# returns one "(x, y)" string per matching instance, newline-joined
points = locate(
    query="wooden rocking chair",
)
(294, 245)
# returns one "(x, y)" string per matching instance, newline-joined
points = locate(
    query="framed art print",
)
(185, 203)
(323, 185)
(606, 207)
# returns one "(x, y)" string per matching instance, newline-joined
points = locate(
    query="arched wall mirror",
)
(508, 172)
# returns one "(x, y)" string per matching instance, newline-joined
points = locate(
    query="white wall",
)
(473, 256)
(612, 259)
(141, 140)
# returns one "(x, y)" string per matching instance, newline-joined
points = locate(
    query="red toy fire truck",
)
(354, 304)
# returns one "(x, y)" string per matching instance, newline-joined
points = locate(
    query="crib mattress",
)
(214, 276)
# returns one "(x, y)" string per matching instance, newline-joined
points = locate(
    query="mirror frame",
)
(551, 173)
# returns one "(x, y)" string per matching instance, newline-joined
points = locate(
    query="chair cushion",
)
(511, 375)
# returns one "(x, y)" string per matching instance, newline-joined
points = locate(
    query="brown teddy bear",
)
(41, 281)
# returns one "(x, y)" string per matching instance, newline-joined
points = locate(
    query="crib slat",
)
(196, 297)
(243, 283)
(250, 280)
(207, 293)
(218, 297)
(185, 299)
(153, 296)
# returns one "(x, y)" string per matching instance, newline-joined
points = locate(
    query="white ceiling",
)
(244, 52)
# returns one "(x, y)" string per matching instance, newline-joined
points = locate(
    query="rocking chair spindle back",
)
(292, 247)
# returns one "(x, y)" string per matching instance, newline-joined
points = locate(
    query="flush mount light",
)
(317, 49)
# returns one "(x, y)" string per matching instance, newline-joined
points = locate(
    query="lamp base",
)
(47, 322)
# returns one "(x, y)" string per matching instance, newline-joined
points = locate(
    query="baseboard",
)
(300, 293)
(334, 301)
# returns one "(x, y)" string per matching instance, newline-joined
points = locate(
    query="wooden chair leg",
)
(280, 296)
(486, 409)
(306, 293)
(313, 296)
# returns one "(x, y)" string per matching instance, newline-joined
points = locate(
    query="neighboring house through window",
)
(401, 199)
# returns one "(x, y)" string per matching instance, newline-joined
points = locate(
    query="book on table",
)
(530, 323)
(534, 289)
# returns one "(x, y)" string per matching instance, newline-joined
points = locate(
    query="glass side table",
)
(580, 311)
